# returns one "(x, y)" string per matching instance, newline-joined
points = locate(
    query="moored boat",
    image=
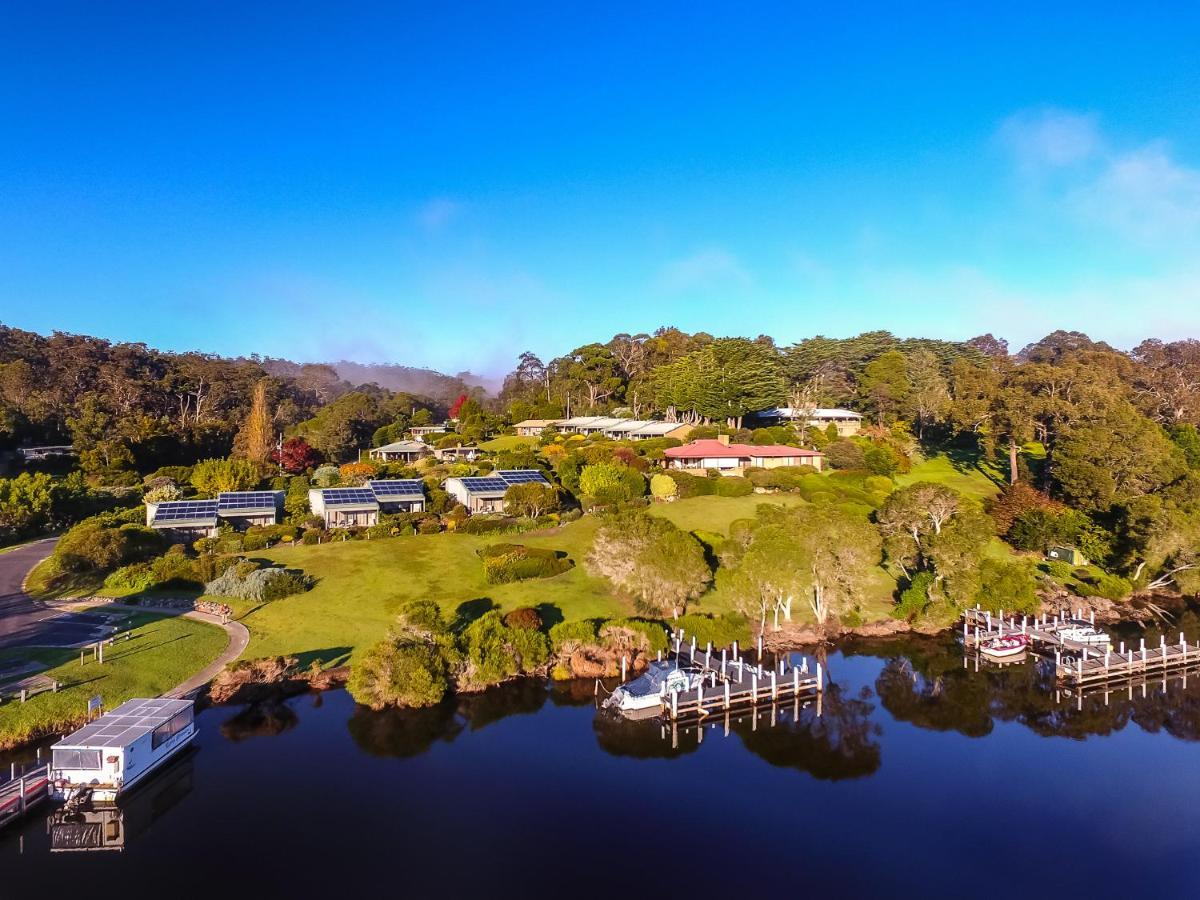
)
(109, 756)
(1007, 647)
(653, 688)
(1082, 631)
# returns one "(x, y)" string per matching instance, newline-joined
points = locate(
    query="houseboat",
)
(118, 750)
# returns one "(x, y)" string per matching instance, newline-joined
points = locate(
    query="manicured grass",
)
(963, 472)
(716, 513)
(507, 442)
(163, 652)
(362, 584)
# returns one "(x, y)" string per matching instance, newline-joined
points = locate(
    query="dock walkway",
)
(23, 790)
(1077, 663)
(730, 681)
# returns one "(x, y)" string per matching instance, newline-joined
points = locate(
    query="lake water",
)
(918, 777)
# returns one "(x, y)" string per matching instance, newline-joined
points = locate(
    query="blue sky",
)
(450, 184)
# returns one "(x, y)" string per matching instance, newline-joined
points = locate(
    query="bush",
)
(914, 598)
(1102, 584)
(262, 585)
(399, 674)
(133, 578)
(495, 652)
(431, 525)
(693, 485)
(311, 536)
(104, 543)
(505, 563)
(566, 636)
(174, 569)
(663, 487)
(523, 617)
(844, 454)
(634, 634)
(722, 631)
(610, 483)
(733, 486)
(878, 484)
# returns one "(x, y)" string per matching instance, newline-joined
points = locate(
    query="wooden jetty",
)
(23, 790)
(770, 715)
(1077, 663)
(730, 681)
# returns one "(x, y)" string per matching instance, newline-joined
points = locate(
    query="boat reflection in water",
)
(106, 826)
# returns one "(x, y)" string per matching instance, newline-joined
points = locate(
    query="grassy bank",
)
(964, 472)
(162, 652)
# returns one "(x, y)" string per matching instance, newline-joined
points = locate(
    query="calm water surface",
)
(918, 777)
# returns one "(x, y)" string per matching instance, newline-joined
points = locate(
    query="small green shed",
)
(1068, 555)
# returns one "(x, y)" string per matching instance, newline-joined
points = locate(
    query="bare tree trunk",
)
(1013, 474)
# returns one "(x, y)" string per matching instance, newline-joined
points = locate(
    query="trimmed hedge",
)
(505, 563)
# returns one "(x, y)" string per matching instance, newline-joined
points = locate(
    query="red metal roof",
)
(714, 449)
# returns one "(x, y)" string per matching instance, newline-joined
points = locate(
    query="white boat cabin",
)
(119, 748)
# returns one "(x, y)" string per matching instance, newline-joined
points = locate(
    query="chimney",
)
(723, 439)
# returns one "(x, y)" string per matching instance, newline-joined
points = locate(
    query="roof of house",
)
(347, 498)
(402, 447)
(483, 487)
(125, 724)
(396, 488)
(230, 502)
(820, 412)
(714, 449)
(184, 514)
(537, 423)
(520, 476)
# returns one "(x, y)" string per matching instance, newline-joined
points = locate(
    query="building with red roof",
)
(733, 459)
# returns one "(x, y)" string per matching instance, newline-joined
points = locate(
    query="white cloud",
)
(1142, 193)
(436, 214)
(1051, 137)
(707, 269)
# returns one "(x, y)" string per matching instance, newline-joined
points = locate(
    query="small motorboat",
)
(653, 689)
(1006, 647)
(1084, 632)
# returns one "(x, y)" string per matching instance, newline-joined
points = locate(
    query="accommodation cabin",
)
(398, 495)
(458, 453)
(241, 509)
(622, 429)
(478, 495)
(185, 520)
(420, 432)
(37, 454)
(733, 459)
(400, 451)
(520, 476)
(534, 427)
(847, 421)
(345, 507)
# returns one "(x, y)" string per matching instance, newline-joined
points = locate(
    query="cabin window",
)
(77, 759)
(171, 727)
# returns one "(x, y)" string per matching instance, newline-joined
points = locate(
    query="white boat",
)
(653, 688)
(1006, 648)
(109, 756)
(1082, 631)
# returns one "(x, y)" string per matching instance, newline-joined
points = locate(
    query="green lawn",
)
(163, 652)
(963, 472)
(716, 513)
(507, 442)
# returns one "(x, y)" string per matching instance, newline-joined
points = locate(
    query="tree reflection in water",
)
(265, 719)
(924, 682)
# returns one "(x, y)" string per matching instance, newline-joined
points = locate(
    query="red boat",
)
(1005, 647)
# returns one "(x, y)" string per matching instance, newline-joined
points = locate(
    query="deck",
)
(24, 789)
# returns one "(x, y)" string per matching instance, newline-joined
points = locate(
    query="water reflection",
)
(267, 719)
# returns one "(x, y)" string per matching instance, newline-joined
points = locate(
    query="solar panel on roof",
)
(485, 484)
(185, 510)
(521, 476)
(397, 487)
(347, 495)
(246, 500)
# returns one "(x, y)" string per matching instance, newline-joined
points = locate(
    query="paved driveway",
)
(25, 622)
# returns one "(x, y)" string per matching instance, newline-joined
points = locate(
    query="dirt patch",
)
(271, 679)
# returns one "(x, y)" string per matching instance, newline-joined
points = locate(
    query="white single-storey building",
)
(345, 507)
(622, 429)
(400, 451)
(399, 495)
(478, 495)
(184, 519)
(245, 508)
(733, 459)
(847, 421)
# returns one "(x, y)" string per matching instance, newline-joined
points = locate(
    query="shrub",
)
(262, 585)
(878, 484)
(566, 636)
(431, 525)
(494, 652)
(311, 536)
(208, 566)
(733, 486)
(633, 634)
(693, 485)
(844, 454)
(914, 598)
(663, 487)
(326, 476)
(523, 617)
(398, 674)
(254, 540)
(134, 578)
(505, 563)
(103, 543)
(174, 570)
(609, 483)
(1102, 584)
(720, 630)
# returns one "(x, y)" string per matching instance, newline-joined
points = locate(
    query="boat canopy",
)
(129, 722)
